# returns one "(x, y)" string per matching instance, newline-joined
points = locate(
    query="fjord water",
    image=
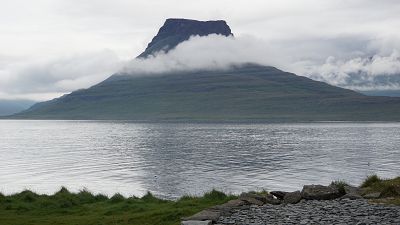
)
(173, 159)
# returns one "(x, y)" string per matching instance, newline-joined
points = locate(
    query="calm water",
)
(172, 159)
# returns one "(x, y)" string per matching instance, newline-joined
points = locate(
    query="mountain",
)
(8, 107)
(175, 31)
(247, 92)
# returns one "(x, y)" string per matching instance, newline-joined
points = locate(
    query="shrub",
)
(390, 190)
(340, 184)
(117, 198)
(85, 196)
(373, 179)
(215, 195)
(101, 197)
(149, 197)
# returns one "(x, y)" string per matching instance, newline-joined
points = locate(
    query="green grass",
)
(340, 184)
(389, 189)
(371, 180)
(64, 207)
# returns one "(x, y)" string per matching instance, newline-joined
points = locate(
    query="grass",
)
(64, 207)
(389, 189)
(340, 184)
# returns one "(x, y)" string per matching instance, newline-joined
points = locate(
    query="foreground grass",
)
(389, 189)
(28, 208)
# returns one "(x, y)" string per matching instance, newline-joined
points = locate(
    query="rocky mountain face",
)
(175, 31)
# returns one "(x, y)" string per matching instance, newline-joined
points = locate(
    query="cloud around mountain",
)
(374, 70)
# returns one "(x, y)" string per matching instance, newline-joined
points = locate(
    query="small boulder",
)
(259, 197)
(373, 195)
(196, 222)
(252, 201)
(271, 200)
(320, 192)
(279, 194)
(292, 197)
(352, 190)
(351, 196)
(205, 215)
(227, 207)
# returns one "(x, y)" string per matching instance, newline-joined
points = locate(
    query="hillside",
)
(8, 107)
(243, 92)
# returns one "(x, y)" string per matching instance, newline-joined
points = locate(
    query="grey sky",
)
(52, 47)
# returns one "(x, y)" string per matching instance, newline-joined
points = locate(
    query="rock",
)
(205, 215)
(373, 195)
(352, 196)
(252, 201)
(196, 222)
(352, 190)
(229, 206)
(292, 197)
(176, 31)
(269, 199)
(320, 192)
(279, 194)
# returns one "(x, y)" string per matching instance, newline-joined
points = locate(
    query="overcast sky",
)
(52, 47)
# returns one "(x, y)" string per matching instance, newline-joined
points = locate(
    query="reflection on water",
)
(172, 159)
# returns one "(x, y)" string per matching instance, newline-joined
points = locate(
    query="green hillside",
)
(248, 93)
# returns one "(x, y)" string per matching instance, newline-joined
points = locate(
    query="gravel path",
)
(343, 211)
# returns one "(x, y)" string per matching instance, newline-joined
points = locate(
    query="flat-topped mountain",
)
(246, 92)
(175, 31)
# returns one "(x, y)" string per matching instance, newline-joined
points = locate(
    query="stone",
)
(320, 192)
(351, 196)
(292, 197)
(269, 199)
(196, 222)
(348, 189)
(229, 206)
(279, 194)
(373, 195)
(252, 201)
(259, 197)
(205, 215)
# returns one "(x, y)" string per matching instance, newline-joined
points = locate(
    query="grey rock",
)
(258, 197)
(320, 192)
(351, 196)
(279, 194)
(251, 201)
(205, 215)
(196, 222)
(292, 197)
(269, 199)
(373, 195)
(352, 190)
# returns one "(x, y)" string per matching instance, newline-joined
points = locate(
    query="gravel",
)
(343, 211)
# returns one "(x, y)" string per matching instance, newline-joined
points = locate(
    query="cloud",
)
(53, 77)
(377, 72)
(372, 69)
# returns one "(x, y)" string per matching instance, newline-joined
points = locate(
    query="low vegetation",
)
(64, 207)
(389, 189)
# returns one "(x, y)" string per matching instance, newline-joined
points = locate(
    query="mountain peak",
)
(175, 30)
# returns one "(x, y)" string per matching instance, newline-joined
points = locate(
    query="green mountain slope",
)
(249, 92)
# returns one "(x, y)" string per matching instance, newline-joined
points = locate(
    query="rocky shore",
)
(314, 204)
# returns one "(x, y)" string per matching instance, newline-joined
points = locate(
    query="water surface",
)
(173, 159)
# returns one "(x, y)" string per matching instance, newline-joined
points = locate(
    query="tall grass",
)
(84, 207)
